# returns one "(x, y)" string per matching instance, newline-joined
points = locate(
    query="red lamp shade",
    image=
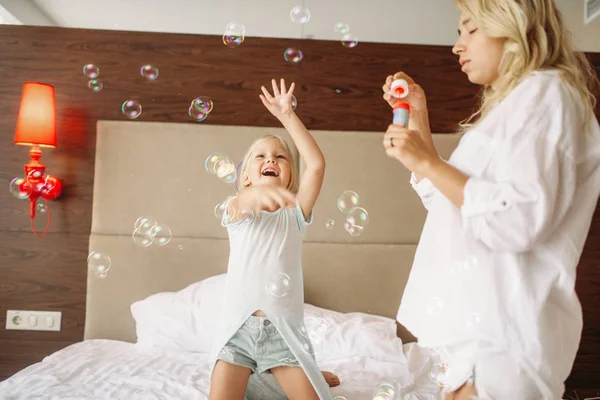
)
(36, 123)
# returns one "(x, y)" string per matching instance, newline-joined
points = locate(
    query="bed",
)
(354, 283)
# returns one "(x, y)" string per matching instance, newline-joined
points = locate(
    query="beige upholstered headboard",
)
(157, 169)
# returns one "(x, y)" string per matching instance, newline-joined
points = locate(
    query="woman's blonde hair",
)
(293, 184)
(536, 39)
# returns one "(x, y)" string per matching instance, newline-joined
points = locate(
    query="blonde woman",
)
(492, 284)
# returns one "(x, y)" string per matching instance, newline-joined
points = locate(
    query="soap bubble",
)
(131, 109)
(293, 55)
(232, 39)
(161, 234)
(341, 27)
(329, 224)
(308, 348)
(385, 391)
(41, 207)
(314, 328)
(20, 188)
(356, 221)
(196, 114)
(349, 40)
(150, 72)
(95, 85)
(203, 104)
(300, 15)
(226, 171)
(145, 225)
(439, 374)
(279, 284)
(99, 263)
(435, 307)
(234, 27)
(294, 102)
(347, 201)
(91, 71)
(142, 238)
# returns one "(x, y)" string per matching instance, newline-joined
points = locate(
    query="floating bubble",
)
(435, 307)
(161, 234)
(95, 85)
(150, 72)
(300, 15)
(143, 239)
(329, 224)
(439, 374)
(196, 114)
(307, 348)
(20, 188)
(349, 40)
(203, 104)
(226, 171)
(91, 71)
(385, 391)
(131, 109)
(232, 40)
(279, 284)
(341, 27)
(293, 55)
(234, 27)
(294, 102)
(347, 201)
(145, 225)
(222, 207)
(99, 263)
(41, 207)
(356, 221)
(180, 247)
(339, 398)
(472, 321)
(214, 161)
(314, 328)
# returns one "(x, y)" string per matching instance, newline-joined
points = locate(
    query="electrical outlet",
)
(33, 320)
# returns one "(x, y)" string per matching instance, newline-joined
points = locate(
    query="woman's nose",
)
(458, 47)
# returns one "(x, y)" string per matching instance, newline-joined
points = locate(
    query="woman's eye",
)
(281, 157)
(259, 156)
(473, 31)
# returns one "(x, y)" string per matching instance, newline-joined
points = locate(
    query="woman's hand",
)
(416, 96)
(280, 104)
(408, 147)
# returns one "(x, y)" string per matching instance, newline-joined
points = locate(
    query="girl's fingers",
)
(264, 101)
(292, 87)
(283, 89)
(275, 88)
(266, 93)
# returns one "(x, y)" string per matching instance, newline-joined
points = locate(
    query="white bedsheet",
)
(106, 369)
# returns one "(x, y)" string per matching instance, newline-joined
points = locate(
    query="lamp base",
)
(38, 184)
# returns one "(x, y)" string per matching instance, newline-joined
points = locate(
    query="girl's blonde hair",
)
(536, 39)
(293, 184)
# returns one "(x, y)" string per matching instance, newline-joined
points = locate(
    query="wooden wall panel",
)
(337, 89)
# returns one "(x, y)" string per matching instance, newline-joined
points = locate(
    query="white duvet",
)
(106, 369)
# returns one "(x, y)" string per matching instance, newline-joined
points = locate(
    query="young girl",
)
(262, 328)
(492, 283)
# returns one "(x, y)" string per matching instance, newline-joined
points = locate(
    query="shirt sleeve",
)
(424, 189)
(302, 222)
(535, 181)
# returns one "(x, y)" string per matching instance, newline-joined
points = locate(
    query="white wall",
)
(393, 21)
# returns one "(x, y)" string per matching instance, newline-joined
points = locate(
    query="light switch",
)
(27, 320)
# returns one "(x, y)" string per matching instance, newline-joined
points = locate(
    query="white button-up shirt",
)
(501, 269)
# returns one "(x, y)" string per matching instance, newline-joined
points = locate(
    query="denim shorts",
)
(257, 345)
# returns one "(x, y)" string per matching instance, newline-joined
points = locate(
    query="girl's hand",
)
(280, 104)
(408, 147)
(416, 96)
(265, 197)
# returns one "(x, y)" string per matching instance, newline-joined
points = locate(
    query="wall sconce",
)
(36, 127)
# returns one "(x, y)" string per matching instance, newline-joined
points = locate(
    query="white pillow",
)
(180, 321)
(336, 335)
(186, 320)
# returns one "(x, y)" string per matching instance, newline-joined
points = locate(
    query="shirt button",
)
(267, 322)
